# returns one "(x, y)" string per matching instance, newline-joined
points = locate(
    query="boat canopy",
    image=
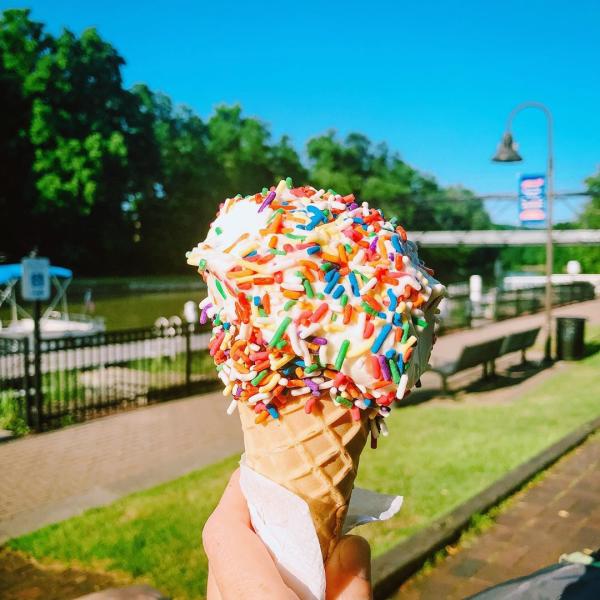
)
(15, 271)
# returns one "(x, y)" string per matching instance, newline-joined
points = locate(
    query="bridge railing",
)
(87, 376)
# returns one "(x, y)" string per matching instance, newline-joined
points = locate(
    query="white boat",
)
(54, 322)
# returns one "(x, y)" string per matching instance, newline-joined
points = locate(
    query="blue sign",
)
(35, 281)
(532, 199)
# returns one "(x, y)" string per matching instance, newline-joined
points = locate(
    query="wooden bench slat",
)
(519, 341)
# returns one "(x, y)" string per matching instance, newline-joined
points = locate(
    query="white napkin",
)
(283, 522)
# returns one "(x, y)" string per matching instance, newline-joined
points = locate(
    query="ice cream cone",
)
(314, 455)
(323, 317)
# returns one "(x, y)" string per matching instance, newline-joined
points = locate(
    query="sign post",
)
(35, 287)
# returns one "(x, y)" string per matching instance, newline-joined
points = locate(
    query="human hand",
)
(241, 568)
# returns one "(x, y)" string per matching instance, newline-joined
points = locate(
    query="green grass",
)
(155, 533)
(12, 412)
(437, 455)
(202, 363)
(61, 389)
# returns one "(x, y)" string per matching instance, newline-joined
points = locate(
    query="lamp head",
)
(507, 150)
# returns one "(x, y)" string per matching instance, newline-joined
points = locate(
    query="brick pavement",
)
(52, 476)
(558, 514)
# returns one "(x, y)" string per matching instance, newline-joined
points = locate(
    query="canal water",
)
(139, 309)
(129, 302)
(135, 301)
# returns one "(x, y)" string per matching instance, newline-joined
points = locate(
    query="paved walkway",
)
(52, 476)
(558, 515)
(449, 346)
(48, 477)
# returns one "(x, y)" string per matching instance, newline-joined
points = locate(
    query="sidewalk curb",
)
(396, 565)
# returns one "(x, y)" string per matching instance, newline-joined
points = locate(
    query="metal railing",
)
(15, 382)
(505, 304)
(512, 303)
(88, 376)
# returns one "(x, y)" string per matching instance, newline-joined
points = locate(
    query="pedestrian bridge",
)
(505, 237)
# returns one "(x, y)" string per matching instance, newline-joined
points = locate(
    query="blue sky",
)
(435, 80)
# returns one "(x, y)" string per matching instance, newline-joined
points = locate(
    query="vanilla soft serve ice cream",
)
(316, 297)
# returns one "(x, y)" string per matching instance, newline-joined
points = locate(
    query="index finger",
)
(240, 563)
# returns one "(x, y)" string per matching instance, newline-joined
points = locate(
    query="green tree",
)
(339, 166)
(174, 217)
(591, 213)
(200, 164)
(22, 43)
(416, 200)
(90, 141)
(285, 162)
(240, 146)
(82, 139)
(589, 256)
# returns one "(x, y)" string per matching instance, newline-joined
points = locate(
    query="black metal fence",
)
(15, 381)
(505, 304)
(88, 376)
(85, 377)
(512, 303)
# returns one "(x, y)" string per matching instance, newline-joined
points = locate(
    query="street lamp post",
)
(507, 152)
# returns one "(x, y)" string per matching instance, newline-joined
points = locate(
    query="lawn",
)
(437, 455)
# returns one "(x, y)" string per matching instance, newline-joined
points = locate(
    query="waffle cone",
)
(314, 455)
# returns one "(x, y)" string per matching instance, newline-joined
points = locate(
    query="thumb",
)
(348, 570)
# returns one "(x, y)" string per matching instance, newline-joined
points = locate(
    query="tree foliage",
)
(22, 43)
(114, 180)
(73, 152)
(590, 219)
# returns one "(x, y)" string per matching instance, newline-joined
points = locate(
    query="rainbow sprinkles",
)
(315, 297)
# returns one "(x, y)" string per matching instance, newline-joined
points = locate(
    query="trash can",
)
(570, 338)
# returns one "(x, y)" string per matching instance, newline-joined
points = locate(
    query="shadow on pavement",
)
(22, 577)
(509, 376)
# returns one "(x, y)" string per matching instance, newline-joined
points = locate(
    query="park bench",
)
(519, 341)
(483, 354)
